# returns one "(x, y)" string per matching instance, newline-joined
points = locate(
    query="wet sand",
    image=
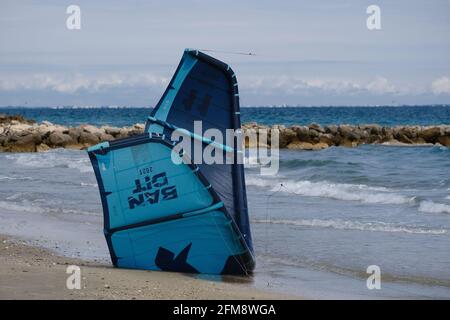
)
(28, 272)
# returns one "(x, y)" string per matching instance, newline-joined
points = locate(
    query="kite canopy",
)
(178, 216)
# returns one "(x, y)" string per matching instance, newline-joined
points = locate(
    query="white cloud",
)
(378, 85)
(441, 85)
(262, 85)
(71, 83)
(75, 82)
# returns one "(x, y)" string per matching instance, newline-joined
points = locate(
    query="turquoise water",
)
(389, 116)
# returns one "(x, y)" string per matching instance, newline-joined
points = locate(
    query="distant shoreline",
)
(18, 134)
(246, 106)
(120, 116)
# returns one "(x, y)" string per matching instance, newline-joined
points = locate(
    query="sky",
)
(307, 53)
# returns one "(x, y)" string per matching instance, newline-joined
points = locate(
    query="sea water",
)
(328, 215)
(317, 225)
(122, 116)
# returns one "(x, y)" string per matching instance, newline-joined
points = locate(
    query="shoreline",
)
(18, 134)
(31, 272)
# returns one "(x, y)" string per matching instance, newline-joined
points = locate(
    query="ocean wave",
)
(252, 162)
(33, 196)
(84, 184)
(33, 208)
(402, 144)
(58, 158)
(433, 207)
(73, 211)
(297, 163)
(355, 225)
(255, 161)
(304, 262)
(89, 107)
(15, 178)
(14, 206)
(337, 191)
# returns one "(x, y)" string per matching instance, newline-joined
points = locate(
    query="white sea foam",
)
(58, 158)
(72, 211)
(402, 144)
(33, 208)
(376, 226)
(15, 178)
(338, 191)
(16, 196)
(14, 206)
(256, 160)
(82, 165)
(251, 162)
(85, 184)
(433, 207)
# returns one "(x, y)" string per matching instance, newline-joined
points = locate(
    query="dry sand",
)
(28, 272)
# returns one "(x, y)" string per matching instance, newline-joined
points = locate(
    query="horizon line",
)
(245, 106)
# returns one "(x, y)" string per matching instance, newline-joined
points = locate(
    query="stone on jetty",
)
(22, 135)
(18, 134)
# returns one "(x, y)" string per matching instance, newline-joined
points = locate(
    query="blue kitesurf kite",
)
(160, 215)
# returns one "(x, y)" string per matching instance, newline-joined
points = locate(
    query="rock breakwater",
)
(23, 135)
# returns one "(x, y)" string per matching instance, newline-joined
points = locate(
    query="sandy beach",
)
(28, 272)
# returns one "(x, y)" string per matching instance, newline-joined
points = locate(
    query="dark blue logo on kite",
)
(152, 190)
